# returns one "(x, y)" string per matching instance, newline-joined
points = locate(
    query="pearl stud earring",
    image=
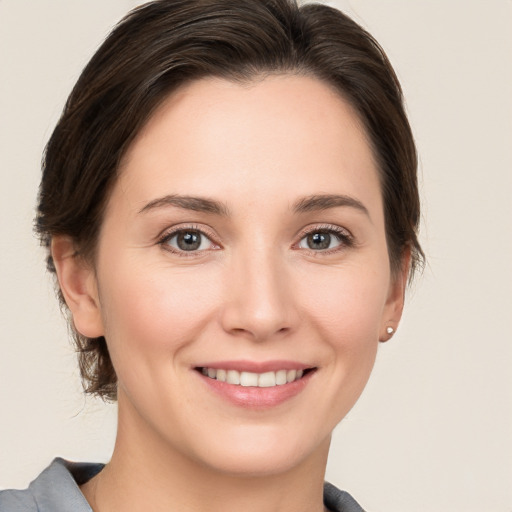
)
(390, 330)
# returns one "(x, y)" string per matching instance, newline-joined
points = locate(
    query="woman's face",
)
(245, 239)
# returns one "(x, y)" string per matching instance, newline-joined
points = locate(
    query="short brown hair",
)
(165, 44)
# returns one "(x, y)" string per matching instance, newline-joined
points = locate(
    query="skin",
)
(255, 290)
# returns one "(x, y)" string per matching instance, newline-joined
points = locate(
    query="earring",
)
(390, 330)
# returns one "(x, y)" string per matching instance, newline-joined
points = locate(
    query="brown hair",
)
(165, 44)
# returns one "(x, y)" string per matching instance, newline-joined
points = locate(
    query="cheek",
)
(150, 314)
(346, 301)
(346, 309)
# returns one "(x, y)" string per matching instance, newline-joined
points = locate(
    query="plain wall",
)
(433, 430)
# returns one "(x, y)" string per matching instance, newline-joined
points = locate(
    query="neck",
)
(146, 474)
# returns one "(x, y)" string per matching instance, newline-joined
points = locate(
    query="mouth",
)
(267, 379)
(256, 385)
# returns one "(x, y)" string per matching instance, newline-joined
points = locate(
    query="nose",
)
(259, 297)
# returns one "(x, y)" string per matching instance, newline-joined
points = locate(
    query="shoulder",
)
(339, 501)
(56, 489)
(17, 501)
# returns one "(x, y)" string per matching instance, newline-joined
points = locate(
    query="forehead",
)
(280, 136)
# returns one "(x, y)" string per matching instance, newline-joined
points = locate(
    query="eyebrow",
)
(326, 201)
(317, 202)
(196, 204)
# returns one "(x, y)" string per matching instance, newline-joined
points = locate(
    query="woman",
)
(230, 206)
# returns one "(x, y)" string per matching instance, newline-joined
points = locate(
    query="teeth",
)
(233, 377)
(291, 375)
(267, 380)
(250, 379)
(281, 377)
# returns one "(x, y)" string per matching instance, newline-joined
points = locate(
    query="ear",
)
(396, 297)
(77, 282)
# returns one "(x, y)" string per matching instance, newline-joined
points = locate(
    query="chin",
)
(262, 452)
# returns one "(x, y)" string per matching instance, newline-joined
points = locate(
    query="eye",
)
(187, 240)
(325, 239)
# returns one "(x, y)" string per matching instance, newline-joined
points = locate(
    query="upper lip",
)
(255, 366)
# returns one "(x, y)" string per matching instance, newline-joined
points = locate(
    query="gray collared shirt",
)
(56, 489)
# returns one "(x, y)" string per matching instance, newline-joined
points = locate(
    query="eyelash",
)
(169, 235)
(346, 240)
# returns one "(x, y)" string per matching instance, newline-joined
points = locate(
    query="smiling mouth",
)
(251, 379)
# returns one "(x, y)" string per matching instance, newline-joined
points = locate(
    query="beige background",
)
(433, 431)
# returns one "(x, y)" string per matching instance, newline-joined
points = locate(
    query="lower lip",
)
(255, 397)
